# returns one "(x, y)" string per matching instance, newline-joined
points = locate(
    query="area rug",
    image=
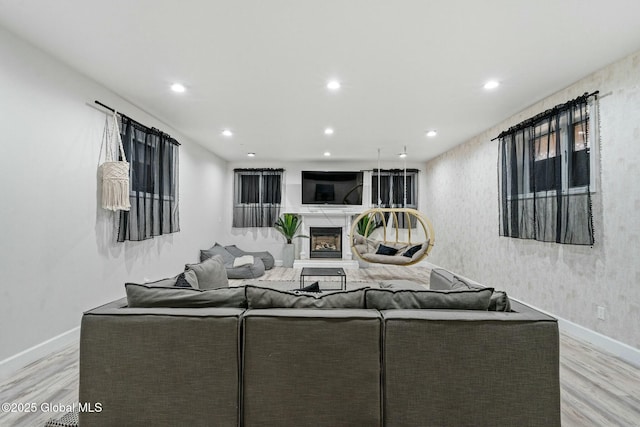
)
(362, 276)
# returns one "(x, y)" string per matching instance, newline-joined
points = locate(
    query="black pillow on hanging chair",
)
(386, 250)
(412, 251)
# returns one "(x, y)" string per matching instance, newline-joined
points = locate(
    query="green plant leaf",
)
(288, 225)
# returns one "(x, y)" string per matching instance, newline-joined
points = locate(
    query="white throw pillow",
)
(243, 260)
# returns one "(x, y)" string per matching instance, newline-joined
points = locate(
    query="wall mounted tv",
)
(331, 188)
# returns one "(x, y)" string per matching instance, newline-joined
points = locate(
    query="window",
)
(257, 197)
(546, 174)
(561, 154)
(153, 183)
(392, 189)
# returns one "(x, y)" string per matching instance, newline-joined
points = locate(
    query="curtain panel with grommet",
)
(153, 158)
(545, 177)
(395, 184)
(257, 197)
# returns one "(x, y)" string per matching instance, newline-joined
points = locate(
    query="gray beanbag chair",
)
(247, 271)
(266, 257)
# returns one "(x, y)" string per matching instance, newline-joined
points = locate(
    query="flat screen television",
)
(331, 188)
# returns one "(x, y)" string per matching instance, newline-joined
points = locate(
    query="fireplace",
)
(325, 242)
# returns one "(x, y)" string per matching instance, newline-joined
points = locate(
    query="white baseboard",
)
(619, 349)
(11, 365)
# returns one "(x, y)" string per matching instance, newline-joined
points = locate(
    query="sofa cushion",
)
(402, 284)
(259, 297)
(387, 299)
(160, 296)
(211, 273)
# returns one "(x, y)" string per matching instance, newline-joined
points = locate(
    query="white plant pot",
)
(288, 255)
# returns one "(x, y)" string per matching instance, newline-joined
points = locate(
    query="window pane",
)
(249, 188)
(545, 146)
(579, 168)
(580, 136)
(142, 174)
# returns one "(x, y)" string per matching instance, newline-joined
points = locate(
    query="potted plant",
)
(288, 225)
(366, 225)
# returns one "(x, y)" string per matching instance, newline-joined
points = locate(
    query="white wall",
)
(569, 281)
(58, 255)
(267, 238)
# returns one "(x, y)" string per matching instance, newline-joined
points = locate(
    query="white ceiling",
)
(260, 67)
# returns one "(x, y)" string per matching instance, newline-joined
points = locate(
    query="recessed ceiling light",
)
(251, 154)
(491, 84)
(432, 133)
(333, 85)
(328, 131)
(177, 87)
(327, 154)
(227, 132)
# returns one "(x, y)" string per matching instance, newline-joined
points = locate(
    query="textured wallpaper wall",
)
(569, 281)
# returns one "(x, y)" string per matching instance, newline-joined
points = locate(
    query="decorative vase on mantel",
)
(288, 225)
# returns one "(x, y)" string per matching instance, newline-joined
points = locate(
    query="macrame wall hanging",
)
(114, 172)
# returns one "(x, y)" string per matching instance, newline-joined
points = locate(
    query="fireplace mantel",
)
(328, 217)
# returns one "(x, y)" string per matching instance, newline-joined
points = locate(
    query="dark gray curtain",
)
(257, 197)
(153, 186)
(544, 176)
(392, 191)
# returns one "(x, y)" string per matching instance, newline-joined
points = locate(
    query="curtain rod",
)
(547, 112)
(173, 141)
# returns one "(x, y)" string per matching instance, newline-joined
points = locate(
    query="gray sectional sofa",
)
(321, 366)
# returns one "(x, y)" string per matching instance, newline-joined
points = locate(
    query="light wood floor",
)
(598, 389)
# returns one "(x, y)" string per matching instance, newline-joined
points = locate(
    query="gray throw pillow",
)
(211, 273)
(227, 257)
(259, 297)
(499, 299)
(159, 296)
(386, 299)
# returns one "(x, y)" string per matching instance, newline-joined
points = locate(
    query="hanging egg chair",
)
(387, 241)
(396, 236)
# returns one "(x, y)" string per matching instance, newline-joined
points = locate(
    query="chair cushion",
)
(217, 249)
